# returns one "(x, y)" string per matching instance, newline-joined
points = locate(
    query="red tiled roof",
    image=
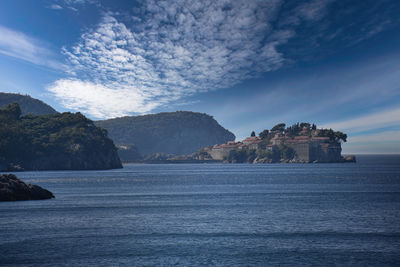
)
(229, 146)
(252, 138)
(301, 137)
(279, 138)
(297, 141)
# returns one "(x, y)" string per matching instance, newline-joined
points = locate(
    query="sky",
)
(249, 64)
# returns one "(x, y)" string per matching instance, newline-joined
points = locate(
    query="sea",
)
(345, 214)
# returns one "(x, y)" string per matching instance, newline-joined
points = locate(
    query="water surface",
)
(210, 214)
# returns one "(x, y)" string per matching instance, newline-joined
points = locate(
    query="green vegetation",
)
(286, 152)
(264, 134)
(279, 127)
(243, 156)
(178, 133)
(59, 141)
(303, 128)
(335, 136)
(28, 104)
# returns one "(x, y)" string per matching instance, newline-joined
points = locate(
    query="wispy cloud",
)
(310, 11)
(386, 136)
(387, 142)
(19, 45)
(73, 5)
(174, 49)
(55, 7)
(368, 122)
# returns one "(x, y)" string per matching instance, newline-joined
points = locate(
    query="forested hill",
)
(28, 104)
(177, 133)
(62, 141)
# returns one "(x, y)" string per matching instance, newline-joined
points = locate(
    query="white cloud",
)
(174, 49)
(368, 122)
(91, 95)
(55, 7)
(18, 45)
(73, 5)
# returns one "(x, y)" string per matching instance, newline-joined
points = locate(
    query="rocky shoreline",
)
(13, 189)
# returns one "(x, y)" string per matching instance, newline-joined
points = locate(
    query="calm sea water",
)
(210, 214)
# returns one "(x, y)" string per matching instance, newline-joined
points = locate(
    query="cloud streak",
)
(368, 122)
(387, 136)
(21, 46)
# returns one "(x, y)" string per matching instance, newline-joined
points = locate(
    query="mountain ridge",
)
(178, 133)
(28, 104)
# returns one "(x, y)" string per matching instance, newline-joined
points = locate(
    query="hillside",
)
(28, 104)
(177, 133)
(63, 141)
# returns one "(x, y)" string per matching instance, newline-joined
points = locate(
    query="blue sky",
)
(250, 64)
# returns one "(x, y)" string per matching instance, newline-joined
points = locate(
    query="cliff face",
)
(63, 141)
(175, 133)
(28, 104)
(317, 152)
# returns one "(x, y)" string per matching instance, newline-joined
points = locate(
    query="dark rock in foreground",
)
(13, 189)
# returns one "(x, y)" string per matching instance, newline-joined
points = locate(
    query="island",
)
(13, 189)
(298, 143)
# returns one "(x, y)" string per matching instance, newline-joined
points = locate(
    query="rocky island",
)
(60, 141)
(13, 189)
(299, 143)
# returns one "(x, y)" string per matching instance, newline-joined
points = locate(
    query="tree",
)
(339, 136)
(253, 134)
(314, 127)
(304, 125)
(278, 128)
(12, 111)
(286, 152)
(263, 134)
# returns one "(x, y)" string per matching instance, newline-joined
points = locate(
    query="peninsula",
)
(61, 141)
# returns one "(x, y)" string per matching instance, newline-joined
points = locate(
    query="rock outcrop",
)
(349, 158)
(13, 189)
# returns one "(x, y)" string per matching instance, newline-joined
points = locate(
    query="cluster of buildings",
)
(308, 147)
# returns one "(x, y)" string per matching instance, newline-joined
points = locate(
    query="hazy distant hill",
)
(28, 104)
(61, 141)
(178, 133)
